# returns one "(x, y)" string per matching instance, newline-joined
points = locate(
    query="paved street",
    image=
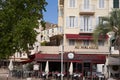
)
(4, 77)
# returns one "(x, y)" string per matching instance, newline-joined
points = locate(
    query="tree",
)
(17, 22)
(109, 23)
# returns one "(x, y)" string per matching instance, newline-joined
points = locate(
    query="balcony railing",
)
(89, 30)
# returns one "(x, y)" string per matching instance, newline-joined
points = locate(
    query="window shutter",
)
(97, 20)
(90, 22)
(81, 23)
(115, 3)
(76, 22)
(75, 3)
(67, 22)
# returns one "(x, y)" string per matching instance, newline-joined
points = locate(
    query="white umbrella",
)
(47, 67)
(10, 65)
(71, 68)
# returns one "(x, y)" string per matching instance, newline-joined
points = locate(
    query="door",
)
(87, 70)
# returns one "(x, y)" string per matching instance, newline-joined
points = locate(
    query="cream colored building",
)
(79, 18)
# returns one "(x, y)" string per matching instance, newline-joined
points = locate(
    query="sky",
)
(51, 14)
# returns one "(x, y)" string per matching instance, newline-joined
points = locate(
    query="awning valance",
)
(77, 36)
(81, 37)
(95, 58)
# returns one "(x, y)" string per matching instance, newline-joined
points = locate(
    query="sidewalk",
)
(4, 75)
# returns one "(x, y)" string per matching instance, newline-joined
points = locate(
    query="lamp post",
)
(62, 52)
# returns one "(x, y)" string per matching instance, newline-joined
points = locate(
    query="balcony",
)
(86, 31)
(61, 2)
(87, 10)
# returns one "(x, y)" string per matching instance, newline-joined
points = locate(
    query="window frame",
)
(101, 4)
(71, 21)
(86, 42)
(72, 3)
(86, 23)
(86, 4)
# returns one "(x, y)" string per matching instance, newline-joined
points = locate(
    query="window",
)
(86, 23)
(72, 3)
(115, 3)
(72, 21)
(71, 42)
(100, 20)
(101, 3)
(86, 4)
(60, 12)
(85, 42)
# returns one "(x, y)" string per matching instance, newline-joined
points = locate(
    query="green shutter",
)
(115, 3)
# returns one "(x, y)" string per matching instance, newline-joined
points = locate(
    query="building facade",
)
(79, 18)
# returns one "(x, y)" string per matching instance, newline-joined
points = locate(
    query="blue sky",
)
(51, 14)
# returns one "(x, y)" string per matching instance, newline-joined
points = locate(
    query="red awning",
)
(95, 58)
(80, 37)
(26, 61)
(77, 36)
(45, 57)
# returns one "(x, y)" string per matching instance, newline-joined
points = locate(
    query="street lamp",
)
(62, 52)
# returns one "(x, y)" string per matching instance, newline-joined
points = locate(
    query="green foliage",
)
(43, 43)
(17, 22)
(108, 24)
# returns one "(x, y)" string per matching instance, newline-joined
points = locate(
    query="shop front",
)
(84, 65)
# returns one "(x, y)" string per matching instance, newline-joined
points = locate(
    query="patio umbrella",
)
(47, 69)
(10, 65)
(71, 68)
